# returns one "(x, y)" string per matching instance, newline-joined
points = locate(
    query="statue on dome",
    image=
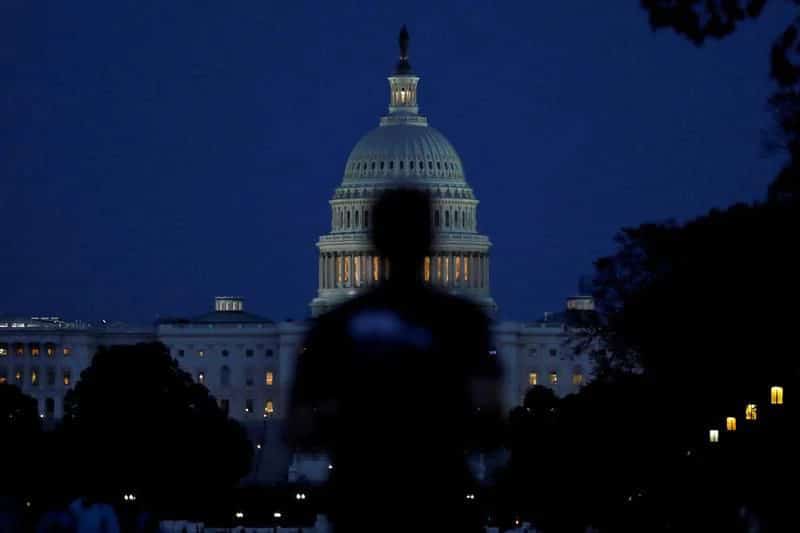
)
(403, 67)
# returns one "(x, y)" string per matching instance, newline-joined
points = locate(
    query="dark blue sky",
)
(155, 154)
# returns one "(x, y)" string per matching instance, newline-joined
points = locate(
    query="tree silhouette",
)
(138, 423)
(21, 436)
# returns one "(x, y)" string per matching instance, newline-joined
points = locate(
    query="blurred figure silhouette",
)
(387, 384)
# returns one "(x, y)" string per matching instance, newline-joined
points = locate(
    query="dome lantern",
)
(403, 85)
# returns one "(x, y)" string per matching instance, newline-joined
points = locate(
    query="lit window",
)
(3, 350)
(34, 350)
(466, 268)
(577, 379)
(34, 376)
(553, 378)
(19, 349)
(201, 377)
(751, 412)
(51, 350)
(67, 351)
(67, 377)
(201, 353)
(268, 378)
(3, 376)
(427, 269)
(457, 267)
(713, 435)
(269, 408)
(248, 405)
(730, 423)
(376, 263)
(19, 375)
(533, 378)
(776, 395)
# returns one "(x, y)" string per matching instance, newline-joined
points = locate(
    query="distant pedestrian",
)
(92, 516)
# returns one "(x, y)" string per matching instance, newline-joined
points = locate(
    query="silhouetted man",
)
(387, 384)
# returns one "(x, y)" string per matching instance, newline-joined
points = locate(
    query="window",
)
(225, 376)
(391, 165)
(411, 165)
(751, 412)
(3, 350)
(67, 377)
(348, 219)
(430, 165)
(269, 408)
(67, 351)
(51, 377)
(19, 349)
(268, 378)
(50, 349)
(356, 223)
(180, 353)
(447, 219)
(366, 215)
(533, 378)
(225, 405)
(3, 376)
(201, 353)
(34, 350)
(577, 379)
(248, 405)
(553, 378)
(19, 375)
(439, 165)
(49, 407)
(713, 435)
(730, 423)
(34, 376)
(553, 352)
(436, 219)
(421, 165)
(248, 378)
(249, 353)
(401, 165)
(776, 395)
(269, 353)
(201, 377)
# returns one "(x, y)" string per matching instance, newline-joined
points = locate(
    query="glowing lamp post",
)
(776, 395)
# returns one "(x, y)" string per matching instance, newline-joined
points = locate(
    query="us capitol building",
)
(247, 361)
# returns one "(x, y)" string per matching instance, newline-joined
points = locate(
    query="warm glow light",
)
(357, 269)
(67, 351)
(713, 435)
(577, 379)
(35, 350)
(347, 268)
(533, 378)
(427, 269)
(338, 269)
(34, 376)
(466, 268)
(201, 377)
(269, 408)
(553, 378)
(438, 269)
(457, 267)
(751, 412)
(776, 395)
(268, 378)
(66, 377)
(730, 423)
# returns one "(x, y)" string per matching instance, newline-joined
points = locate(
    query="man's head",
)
(401, 228)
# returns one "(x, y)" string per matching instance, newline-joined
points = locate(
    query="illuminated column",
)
(452, 269)
(320, 271)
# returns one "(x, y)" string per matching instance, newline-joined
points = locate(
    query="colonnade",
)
(469, 270)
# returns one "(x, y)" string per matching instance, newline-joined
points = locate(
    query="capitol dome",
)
(406, 151)
(403, 150)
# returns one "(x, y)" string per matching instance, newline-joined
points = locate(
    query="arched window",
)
(356, 222)
(455, 222)
(366, 218)
(373, 165)
(391, 165)
(401, 165)
(421, 165)
(411, 165)
(381, 165)
(225, 376)
(436, 219)
(447, 219)
(430, 165)
(438, 165)
(340, 218)
(348, 218)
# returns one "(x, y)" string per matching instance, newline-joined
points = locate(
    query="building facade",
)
(247, 361)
